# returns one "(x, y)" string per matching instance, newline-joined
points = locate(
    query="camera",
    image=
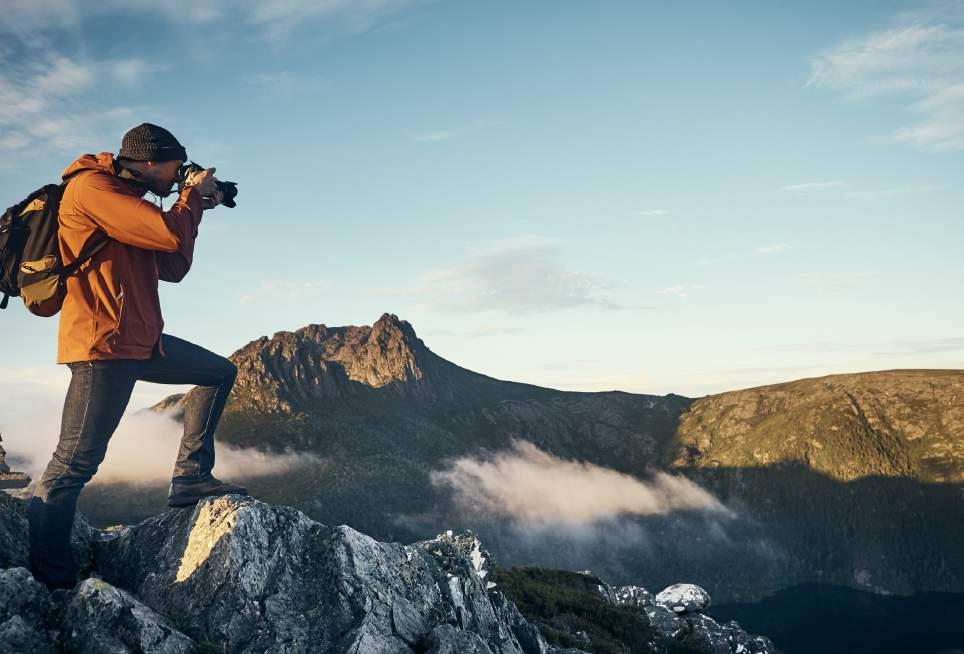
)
(228, 189)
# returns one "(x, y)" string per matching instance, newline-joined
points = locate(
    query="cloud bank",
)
(532, 486)
(142, 450)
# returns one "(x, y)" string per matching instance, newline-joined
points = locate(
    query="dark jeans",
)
(98, 394)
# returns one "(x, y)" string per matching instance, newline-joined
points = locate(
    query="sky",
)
(636, 196)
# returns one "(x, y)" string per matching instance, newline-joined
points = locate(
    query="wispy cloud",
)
(652, 212)
(920, 59)
(271, 86)
(909, 347)
(47, 103)
(273, 21)
(681, 291)
(811, 186)
(772, 248)
(889, 348)
(134, 69)
(834, 279)
(432, 136)
(440, 135)
(890, 192)
(723, 257)
(494, 330)
(274, 290)
(278, 19)
(521, 275)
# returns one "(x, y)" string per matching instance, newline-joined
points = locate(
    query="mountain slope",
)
(892, 423)
(852, 480)
(381, 411)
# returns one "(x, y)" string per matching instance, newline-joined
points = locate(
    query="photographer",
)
(110, 332)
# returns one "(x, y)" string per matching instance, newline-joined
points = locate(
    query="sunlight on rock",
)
(214, 520)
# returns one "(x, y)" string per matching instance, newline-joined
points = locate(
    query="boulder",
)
(683, 598)
(28, 621)
(102, 618)
(255, 577)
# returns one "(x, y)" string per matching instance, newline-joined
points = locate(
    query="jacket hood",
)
(103, 162)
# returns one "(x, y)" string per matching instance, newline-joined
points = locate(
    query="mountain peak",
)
(291, 370)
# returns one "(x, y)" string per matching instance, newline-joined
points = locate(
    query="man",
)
(110, 332)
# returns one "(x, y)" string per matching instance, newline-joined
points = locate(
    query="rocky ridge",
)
(235, 574)
(889, 423)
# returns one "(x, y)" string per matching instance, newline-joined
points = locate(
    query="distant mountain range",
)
(855, 480)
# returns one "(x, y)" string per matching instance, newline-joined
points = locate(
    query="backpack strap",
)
(92, 245)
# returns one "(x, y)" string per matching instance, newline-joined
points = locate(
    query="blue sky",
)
(584, 195)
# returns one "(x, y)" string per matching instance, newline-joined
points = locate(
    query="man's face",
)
(160, 176)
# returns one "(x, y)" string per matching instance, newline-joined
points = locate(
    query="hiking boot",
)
(189, 493)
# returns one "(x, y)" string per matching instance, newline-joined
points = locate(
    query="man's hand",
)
(213, 200)
(206, 184)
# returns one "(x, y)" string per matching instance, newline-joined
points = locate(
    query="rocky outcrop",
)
(677, 613)
(235, 574)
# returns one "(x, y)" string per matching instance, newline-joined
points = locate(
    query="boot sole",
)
(180, 501)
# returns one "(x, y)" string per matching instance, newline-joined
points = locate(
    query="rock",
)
(683, 598)
(446, 639)
(15, 536)
(101, 618)
(706, 635)
(27, 619)
(240, 575)
(633, 596)
(253, 577)
(665, 621)
(472, 548)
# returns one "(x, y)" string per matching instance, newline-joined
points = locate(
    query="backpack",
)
(30, 263)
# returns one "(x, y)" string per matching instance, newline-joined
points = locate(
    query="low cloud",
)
(532, 486)
(142, 450)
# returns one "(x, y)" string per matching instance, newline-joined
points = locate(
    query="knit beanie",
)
(148, 142)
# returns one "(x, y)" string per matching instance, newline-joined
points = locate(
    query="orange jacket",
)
(112, 309)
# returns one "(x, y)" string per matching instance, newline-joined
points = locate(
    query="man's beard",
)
(162, 192)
